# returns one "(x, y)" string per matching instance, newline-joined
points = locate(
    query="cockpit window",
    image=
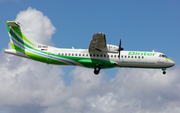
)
(162, 55)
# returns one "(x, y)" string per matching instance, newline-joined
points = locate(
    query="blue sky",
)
(143, 26)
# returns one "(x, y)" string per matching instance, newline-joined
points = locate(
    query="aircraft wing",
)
(98, 42)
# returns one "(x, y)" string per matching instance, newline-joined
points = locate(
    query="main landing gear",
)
(97, 69)
(164, 72)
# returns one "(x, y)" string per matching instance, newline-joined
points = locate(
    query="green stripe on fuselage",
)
(169, 59)
(18, 48)
(44, 59)
(89, 62)
(38, 57)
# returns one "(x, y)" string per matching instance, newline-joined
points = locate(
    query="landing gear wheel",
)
(164, 72)
(96, 70)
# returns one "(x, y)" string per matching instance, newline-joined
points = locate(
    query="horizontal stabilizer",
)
(17, 53)
(13, 23)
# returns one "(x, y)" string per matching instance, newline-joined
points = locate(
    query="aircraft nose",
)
(172, 62)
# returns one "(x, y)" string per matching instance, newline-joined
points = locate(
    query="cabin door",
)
(49, 57)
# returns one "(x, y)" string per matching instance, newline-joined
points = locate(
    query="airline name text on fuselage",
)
(141, 53)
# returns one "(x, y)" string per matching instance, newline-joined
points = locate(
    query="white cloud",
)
(29, 86)
(132, 90)
(28, 81)
(36, 25)
(25, 82)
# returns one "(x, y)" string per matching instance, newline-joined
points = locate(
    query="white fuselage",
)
(134, 59)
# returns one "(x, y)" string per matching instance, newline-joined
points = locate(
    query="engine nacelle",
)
(112, 48)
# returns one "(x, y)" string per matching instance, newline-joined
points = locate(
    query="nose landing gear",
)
(164, 72)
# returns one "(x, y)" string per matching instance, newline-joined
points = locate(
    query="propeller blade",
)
(120, 43)
(119, 47)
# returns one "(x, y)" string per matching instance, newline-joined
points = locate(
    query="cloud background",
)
(34, 87)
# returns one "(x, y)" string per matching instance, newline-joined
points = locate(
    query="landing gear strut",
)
(164, 72)
(97, 69)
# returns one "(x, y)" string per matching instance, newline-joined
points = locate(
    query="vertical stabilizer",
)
(18, 41)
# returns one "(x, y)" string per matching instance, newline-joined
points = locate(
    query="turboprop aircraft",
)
(99, 55)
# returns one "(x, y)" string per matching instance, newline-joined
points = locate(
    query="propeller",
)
(120, 48)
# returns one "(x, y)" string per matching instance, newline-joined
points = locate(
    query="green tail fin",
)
(18, 40)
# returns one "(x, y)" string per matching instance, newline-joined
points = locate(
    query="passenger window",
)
(135, 56)
(79, 54)
(86, 54)
(97, 55)
(107, 55)
(128, 56)
(131, 56)
(125, 56)
(83, 54)
(142, 56)
(114, 55)
(72, 54)
(90, 54)
(76, 54)
(59, 54)
(101, 55)
(138, 56)
(65, 54)
(94, 55)
(104, 55)
(111, 55)
(62, 53)
(121, 56)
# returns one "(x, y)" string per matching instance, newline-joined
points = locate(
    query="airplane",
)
(98, 56)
